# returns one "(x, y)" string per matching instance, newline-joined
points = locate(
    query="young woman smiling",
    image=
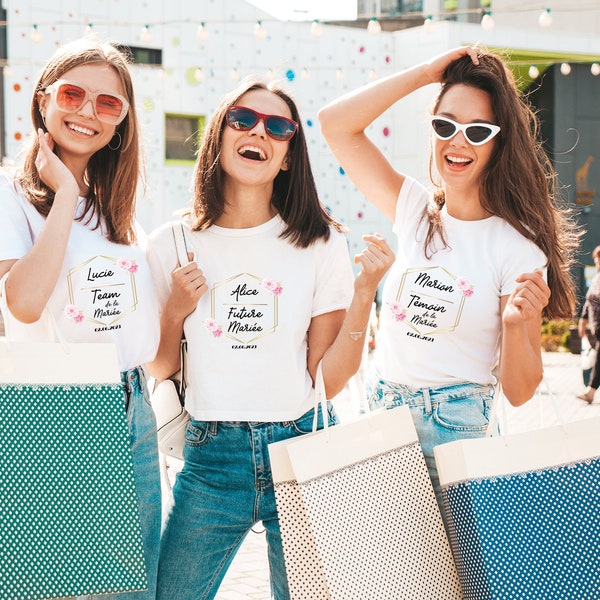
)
(70, 209)
(480, 260)
(272, 301)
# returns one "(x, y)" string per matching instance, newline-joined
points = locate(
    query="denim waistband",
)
(256, 424)
(415, 396)
(133, 379)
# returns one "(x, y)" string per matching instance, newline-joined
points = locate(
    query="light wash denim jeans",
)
(441, 415)
(223, 490)
(144, 446)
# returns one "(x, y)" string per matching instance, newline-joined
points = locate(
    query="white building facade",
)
(205, 46)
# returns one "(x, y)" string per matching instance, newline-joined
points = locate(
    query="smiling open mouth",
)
(252, 153)
(458, 160)
(80, 129)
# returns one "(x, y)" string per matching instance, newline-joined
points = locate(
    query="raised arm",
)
(338, 337)
(33, 277)
(521, 366)
(343, 123)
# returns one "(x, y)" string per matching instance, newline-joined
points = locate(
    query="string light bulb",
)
(428, 26)
(545, 19)
(374, 26)
(202, 33)
(316, 28)
(234, 75)
(35, 36)
(487, 21)
(565, 68)
(146, 35)
(89, 29)
(339, 74)
(199, 74)
(305, 74)
(260, 33)
(595, 69)
(533, 72)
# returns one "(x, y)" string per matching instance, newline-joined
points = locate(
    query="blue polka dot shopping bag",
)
(69, 522)
(358, 515)
(523, 512)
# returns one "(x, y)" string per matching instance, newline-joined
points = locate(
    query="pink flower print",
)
(73, 313)
(213, 327)
(464, 286)
(273, 286)
(127, 265)
(398, 311)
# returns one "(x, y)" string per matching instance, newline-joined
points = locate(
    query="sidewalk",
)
(248, 576)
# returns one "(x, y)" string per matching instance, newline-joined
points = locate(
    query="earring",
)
(118, 144)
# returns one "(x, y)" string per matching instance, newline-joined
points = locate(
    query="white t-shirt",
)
(247, 338)
(104, 291)
(440, 319)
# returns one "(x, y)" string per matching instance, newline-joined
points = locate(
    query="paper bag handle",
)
(320, 399)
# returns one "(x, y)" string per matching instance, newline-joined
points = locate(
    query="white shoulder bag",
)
(168, 397)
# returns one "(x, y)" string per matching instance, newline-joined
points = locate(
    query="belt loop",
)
(427, 400)
(142, 377)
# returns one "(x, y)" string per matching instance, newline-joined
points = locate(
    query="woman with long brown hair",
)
(272, 301)
(481, 259)
(71, 253)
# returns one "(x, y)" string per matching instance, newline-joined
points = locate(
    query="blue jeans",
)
(440, 415)
(223, 490)
(144, 446)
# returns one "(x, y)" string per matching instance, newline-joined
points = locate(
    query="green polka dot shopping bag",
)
(69, 522)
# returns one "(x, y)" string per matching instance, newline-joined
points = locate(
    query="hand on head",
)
(435, 67)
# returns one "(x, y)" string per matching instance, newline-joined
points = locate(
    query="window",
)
(182, 138)
(142, 56)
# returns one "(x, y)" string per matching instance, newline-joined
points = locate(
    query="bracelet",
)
(356, 335)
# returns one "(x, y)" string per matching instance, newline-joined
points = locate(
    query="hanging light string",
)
(543, 16)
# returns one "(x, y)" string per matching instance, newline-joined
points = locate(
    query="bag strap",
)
(181, 249)
(320, 399)
(180, 244)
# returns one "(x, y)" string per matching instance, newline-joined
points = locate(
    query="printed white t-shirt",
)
(247, 338)
(440, 319)
(104, 292)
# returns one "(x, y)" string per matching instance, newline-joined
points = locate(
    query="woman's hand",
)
(53, 172)
(434, 68)
(189, 285)
(375, 260)
(528, 301)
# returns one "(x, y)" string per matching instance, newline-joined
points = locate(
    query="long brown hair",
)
(112, 175)
(294, 191)
(519, 183)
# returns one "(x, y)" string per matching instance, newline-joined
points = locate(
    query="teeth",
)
(254, 150)
(81, 129)
(458, 159)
